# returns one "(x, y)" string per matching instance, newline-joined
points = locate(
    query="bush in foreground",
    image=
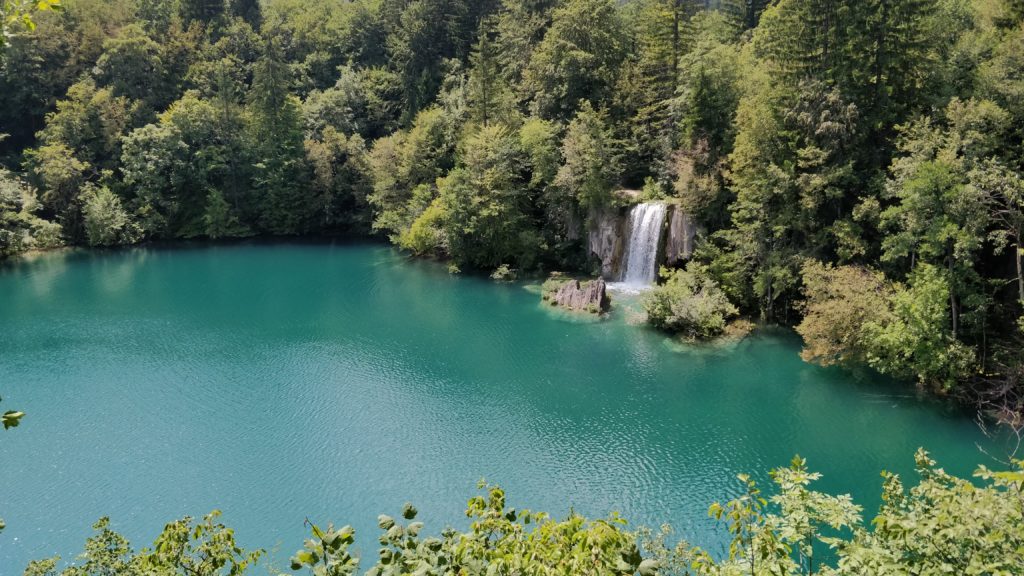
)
(944, 525)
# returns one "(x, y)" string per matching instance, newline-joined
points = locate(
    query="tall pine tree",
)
(276, 136)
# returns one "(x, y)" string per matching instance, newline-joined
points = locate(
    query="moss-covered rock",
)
(571, 294)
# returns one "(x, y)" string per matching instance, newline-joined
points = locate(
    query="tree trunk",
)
(675, 41)
(1020, 272)
(956, 313)
(952, 300)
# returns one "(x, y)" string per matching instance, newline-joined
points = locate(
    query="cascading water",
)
(640, 268)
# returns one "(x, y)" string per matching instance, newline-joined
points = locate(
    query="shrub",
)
(106, 222)
(918, 339)
(943, 525)
(552, 284)
(20, 228)
(689, 303)
(426, 235)
(504, 274)
(839, 302)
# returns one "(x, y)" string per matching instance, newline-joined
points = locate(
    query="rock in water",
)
(584, 297)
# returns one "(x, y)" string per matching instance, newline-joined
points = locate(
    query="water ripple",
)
(337, 382)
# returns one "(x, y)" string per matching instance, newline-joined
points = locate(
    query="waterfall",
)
(640, 267)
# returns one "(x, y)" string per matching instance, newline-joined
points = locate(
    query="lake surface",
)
(336, 381)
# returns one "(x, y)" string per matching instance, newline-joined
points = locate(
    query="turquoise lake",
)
(337, 381)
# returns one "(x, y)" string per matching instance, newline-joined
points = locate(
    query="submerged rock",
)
(589, 296)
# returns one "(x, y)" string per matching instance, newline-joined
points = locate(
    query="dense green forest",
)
(856, 165)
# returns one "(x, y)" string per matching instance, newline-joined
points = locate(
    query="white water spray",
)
(640, 268)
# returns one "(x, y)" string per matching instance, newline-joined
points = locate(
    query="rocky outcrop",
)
(610, 229)
(682, 232)
(581, 296)
(606, 241)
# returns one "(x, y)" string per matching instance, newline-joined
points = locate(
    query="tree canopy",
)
(882, 139)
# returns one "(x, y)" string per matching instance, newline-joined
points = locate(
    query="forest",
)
(856, 166)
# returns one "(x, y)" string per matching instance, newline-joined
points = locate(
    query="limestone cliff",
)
(608, 236)
(682, 232)
(605, 241)
(587, 297)
(579, 296)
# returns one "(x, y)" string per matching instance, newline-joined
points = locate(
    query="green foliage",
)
(184, 548)
(61, 176)
(490, 98)
(131, 65)
(839, 302)
(279, 179)
(589, 171)
(690, 303)
(1003, 190)
(938, 217)
(779, 541)
(577, 60)
(340, 179)
(16, 15)
(427, 235)
(803, 514)
(218, 219)
(918, 340)
(503, 540)
(875, 134)
(404, 161)
(942, 525)
(20, 228)
(789, 172)
(12, 418)
(155, 162)
(539, 140)
(326, 553)
(90, 121)
(485, 203)
(709, 93)
(106, 222)
(205, 11)
(204, 548)
(361, 101)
